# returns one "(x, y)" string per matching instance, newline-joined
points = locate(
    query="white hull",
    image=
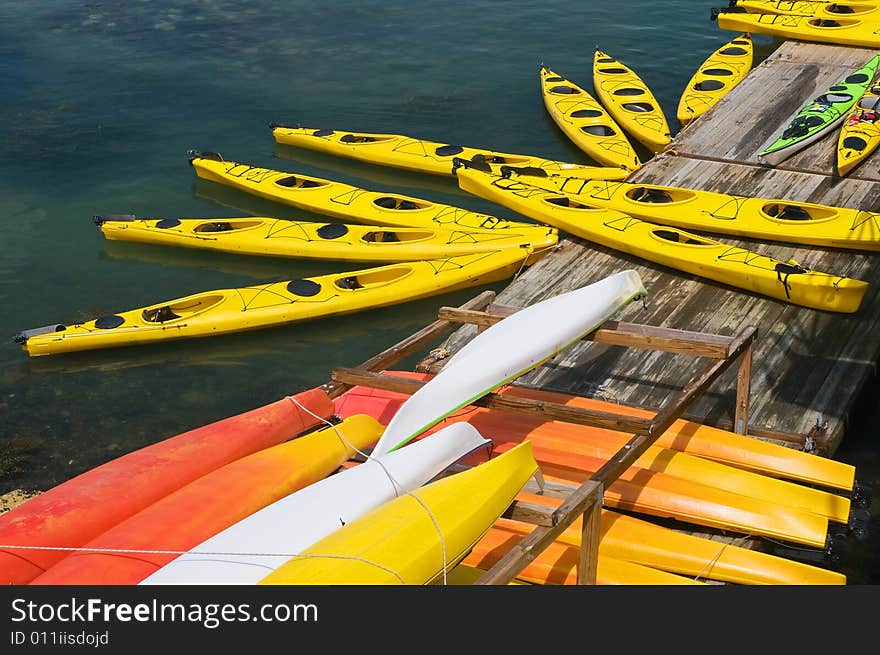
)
(248, 551)
(508, 349)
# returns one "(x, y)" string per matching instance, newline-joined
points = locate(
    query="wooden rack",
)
(585, 500)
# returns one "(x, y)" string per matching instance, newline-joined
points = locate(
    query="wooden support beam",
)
(529, 513)
(591, 531)
(543, 410)
(617, 333)
(412, 343)
(743, 385)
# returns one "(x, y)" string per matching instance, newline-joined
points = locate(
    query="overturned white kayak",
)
(249, 550)
(509, 349)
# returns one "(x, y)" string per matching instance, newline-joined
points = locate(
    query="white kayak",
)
(249, 550)
(507, 350)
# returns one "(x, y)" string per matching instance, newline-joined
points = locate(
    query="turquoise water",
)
(101, 103)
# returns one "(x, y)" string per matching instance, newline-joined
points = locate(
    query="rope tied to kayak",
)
(395, 484)
(143, 551)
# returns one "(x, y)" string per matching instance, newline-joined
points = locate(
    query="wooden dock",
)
(809, 365)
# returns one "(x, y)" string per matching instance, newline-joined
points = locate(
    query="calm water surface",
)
(102, 101)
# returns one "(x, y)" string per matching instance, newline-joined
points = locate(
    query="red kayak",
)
(185, 518)
(76, 511)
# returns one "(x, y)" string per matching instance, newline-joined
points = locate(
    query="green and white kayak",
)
(821, 115)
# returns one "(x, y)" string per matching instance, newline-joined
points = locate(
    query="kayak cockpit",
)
(781, 211)
(375, 278)
(206, 227)
(658, 195)
(299, 182)
(392, 236)
(674, 236)
(178, 310)
(399, 203)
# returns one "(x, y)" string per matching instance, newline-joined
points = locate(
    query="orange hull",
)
(76, 511)
(201, 509)
(685, 436)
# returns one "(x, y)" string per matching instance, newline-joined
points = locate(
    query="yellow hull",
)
(723, 70)
(786, 221)
(630, 102)
(425, 156)
(811, 8)
(860, 134)
(350, 203)
(839, 31)
(398, 542)
(334, 241)
(583, 120)
(671, 247)
(225, 311)
(642, 542)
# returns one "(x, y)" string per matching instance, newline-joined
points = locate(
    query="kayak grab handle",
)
(732, 9)
(23, 336)
(100, 219)
(203, 154)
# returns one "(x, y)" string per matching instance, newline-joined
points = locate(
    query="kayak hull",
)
(74, 512)
(722, 70)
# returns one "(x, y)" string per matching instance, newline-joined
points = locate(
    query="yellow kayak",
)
(557, 563)
(642, 542)
(335, 241)
(583, 120)
(860, 134)
(425, 156)
(350, 203)
(414, 540)
(839, 31)
(683, 251)
(808, 8)
(629, 100)
(225, 311)
(723, 70)
(767, 219)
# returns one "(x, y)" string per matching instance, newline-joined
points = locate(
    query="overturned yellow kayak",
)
(583, 120)
(414, 540)
(642, 542)
(349, 203)
(733, 265)
(226, 311)
(557, 564)
(334, 241)
(787, 221)
(860, 134)
(424, 156)
(629, 100)
(840, 30)
(723, 70)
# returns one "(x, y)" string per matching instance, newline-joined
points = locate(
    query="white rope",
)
(394, 482)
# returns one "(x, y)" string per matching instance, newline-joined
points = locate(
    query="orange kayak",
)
(685, 436)
(204, 507)
(78, 510)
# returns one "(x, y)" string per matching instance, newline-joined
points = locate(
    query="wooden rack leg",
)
(591, 526)
(743, 383)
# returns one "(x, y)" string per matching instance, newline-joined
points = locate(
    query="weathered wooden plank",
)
(548, 411)
(618, 333)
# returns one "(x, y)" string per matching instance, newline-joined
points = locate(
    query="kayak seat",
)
(159, 315)
(381, 236)
(678, 237)
(292, 181)
(388, 202)
(356, 138)
(219, 226)
(350, 282)
(647, 194)
(586, 113)
(788, 212)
